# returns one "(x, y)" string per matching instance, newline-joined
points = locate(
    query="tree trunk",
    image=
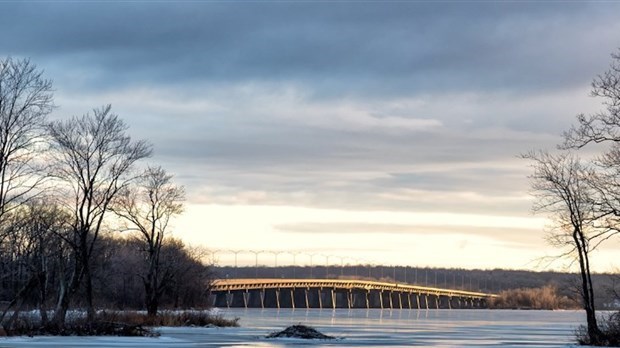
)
(586, 286)
(90, 309)
(42, 283)
(66, 291)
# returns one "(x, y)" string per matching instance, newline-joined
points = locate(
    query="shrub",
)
(536, 298)
(609, 335)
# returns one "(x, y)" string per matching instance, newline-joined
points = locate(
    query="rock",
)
(300, 331)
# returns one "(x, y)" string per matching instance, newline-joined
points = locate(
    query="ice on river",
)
(356, 328)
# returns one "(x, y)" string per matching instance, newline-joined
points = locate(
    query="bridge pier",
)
(262, 298)
(349, 298)
(229, 298)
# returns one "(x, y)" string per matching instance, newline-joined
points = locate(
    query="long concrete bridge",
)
(339, 293)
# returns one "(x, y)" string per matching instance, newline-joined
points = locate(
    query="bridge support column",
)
(417, 299)
(449, 302)
(229, 298)
(436, 301)
(349, 298)
(426, 300)
(306, 296)
(246, 296)
(333, 293)
(381, 298)
(409, 299)
(367, 299)
(278, 298)
(391, 296)
(400, 300)
(293, 298)
(320, 298)
(262, 298)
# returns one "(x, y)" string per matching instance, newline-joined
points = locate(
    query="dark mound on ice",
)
(300, 331)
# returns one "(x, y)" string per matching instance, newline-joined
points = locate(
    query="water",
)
(354, 328)
(427, 328)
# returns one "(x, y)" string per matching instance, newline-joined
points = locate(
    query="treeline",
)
(118, 270)
(490, 281)
(66, 187)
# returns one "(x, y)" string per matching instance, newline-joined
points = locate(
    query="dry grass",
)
(536, 298)
(115, 323)
(169, 318)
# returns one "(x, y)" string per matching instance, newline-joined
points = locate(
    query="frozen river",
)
(356, 328)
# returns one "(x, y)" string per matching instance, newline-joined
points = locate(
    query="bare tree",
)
(33, 246)
(96, 160)
(603, 126)
(561, 184)
(25, 101)
(148, 208)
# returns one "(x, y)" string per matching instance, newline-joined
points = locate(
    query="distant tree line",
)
(83, 221)
(496, 281)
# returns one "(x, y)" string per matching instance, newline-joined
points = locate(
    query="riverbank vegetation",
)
(546, 297)
(116, 323)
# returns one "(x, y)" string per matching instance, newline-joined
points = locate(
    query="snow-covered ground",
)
(432, 328)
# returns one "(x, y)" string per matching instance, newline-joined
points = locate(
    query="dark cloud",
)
(391, 105)
(334, 49)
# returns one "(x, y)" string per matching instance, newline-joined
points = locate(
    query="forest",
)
(84, 219)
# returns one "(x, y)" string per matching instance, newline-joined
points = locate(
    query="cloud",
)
(368, 50)
(512, 236)
(400, 106)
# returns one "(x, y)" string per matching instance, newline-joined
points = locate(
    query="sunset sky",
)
(383, 132)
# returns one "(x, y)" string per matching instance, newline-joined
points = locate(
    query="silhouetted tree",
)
(25, 101)
(148, 208)
(562, 189)
(95, 160)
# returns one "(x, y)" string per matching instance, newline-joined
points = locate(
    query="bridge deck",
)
(254, 284)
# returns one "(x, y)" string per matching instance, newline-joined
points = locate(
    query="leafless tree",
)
(33, 247)
(25, 100)
(95, 161)
(148, 208)
(561, 185)
(603, 126)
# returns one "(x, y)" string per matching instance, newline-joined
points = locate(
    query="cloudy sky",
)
(383, 132)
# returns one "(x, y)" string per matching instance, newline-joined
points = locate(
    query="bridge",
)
(339, 293)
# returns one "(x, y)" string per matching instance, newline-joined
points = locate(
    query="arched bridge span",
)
(339, 293)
